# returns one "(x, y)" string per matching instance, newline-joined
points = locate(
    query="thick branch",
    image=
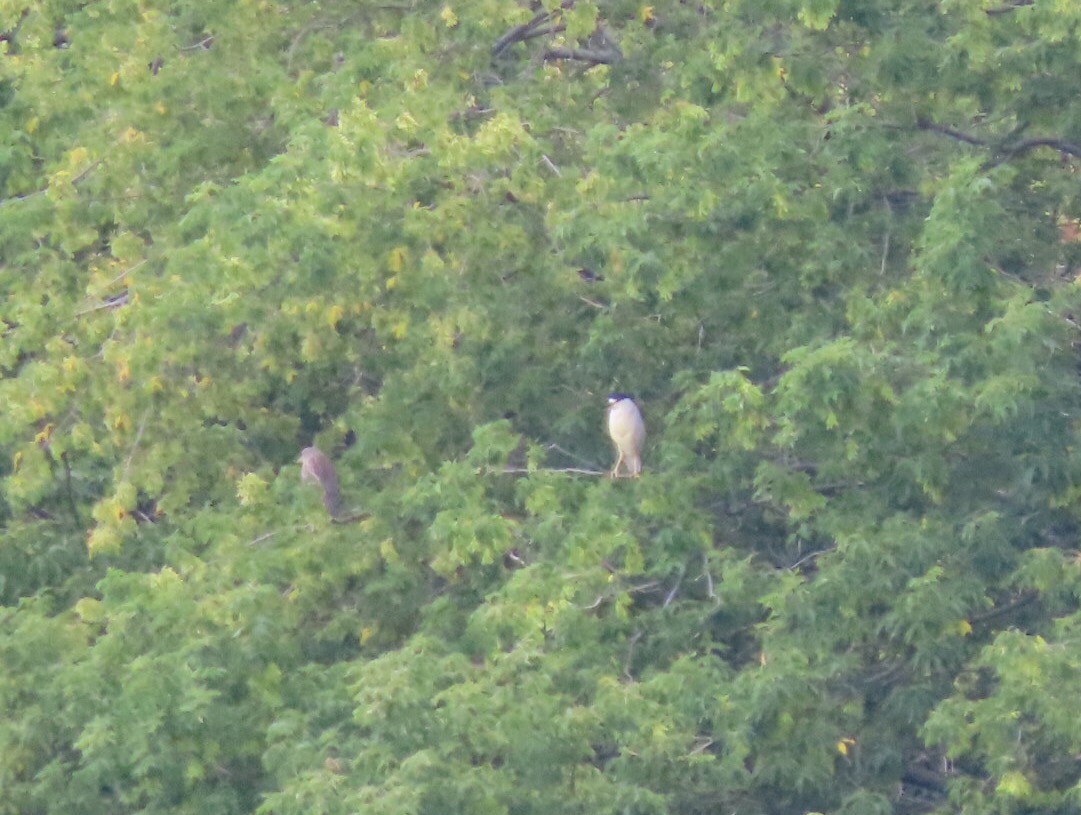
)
(926, 124)
(1009, 7)
(1032, 144)
(1002, 152)
(520, 33)
(597, 57)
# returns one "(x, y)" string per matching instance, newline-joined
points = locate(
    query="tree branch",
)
(1008, 8)
(927, 124)
(520, 33)
(1002, 152)
(596, 56)
(1020, 602)
(575, 470)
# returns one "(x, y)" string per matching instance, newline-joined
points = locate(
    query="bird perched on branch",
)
(628, 433)
(316, 468)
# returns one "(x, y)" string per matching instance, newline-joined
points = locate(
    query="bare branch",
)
(595, 56)
(675, 589)
(569, 454)
(1008, 8)
(204, 44)
(135, 444)
(1022, 601)
(926, 124)
(350, 519)
(811, 556)
(115, 302)
(1032, 144)
(520, 33)
(548, 163)
(574, 470)
(632, 643)
(1004, 152)
(704, 744)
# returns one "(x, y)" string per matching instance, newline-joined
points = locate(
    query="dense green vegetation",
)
(832, 246)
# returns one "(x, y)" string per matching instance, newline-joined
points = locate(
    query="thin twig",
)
(631, 643)
(263, 537)
(69, 488)
(74, 182)
(569, 454)
(709, 580)
(127, 271)
(573, 470)
(203, 43)
(351, 519)
(886, 240)
(116, 302)
(804, 559)
(135, 444)
(548, 163)
(593, 303)
(675, 589)
(704, 744)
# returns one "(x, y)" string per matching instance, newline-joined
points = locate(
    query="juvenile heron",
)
(316, 468)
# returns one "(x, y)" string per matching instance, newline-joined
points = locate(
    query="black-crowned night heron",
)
(628, 432)
(316, 468)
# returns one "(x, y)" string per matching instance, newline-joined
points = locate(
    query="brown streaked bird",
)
(628, 432)
(316, 468)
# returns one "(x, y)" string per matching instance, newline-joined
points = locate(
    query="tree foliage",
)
(832, 246)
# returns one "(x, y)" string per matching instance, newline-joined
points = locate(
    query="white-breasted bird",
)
(316, 468)
(628, 432)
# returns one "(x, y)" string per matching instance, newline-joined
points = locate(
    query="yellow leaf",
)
(102, 540)
(45, 434)
(844, 744)
(32, 124)
(250, 490)
(78, 157)
(387, 551)
(114, 80)
(449, 18)
(90, 610)
(396, 259)
(645, 14)
(1014, 785)
(160, 108)
(334, 315)
(17, 460)
(400, 329)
